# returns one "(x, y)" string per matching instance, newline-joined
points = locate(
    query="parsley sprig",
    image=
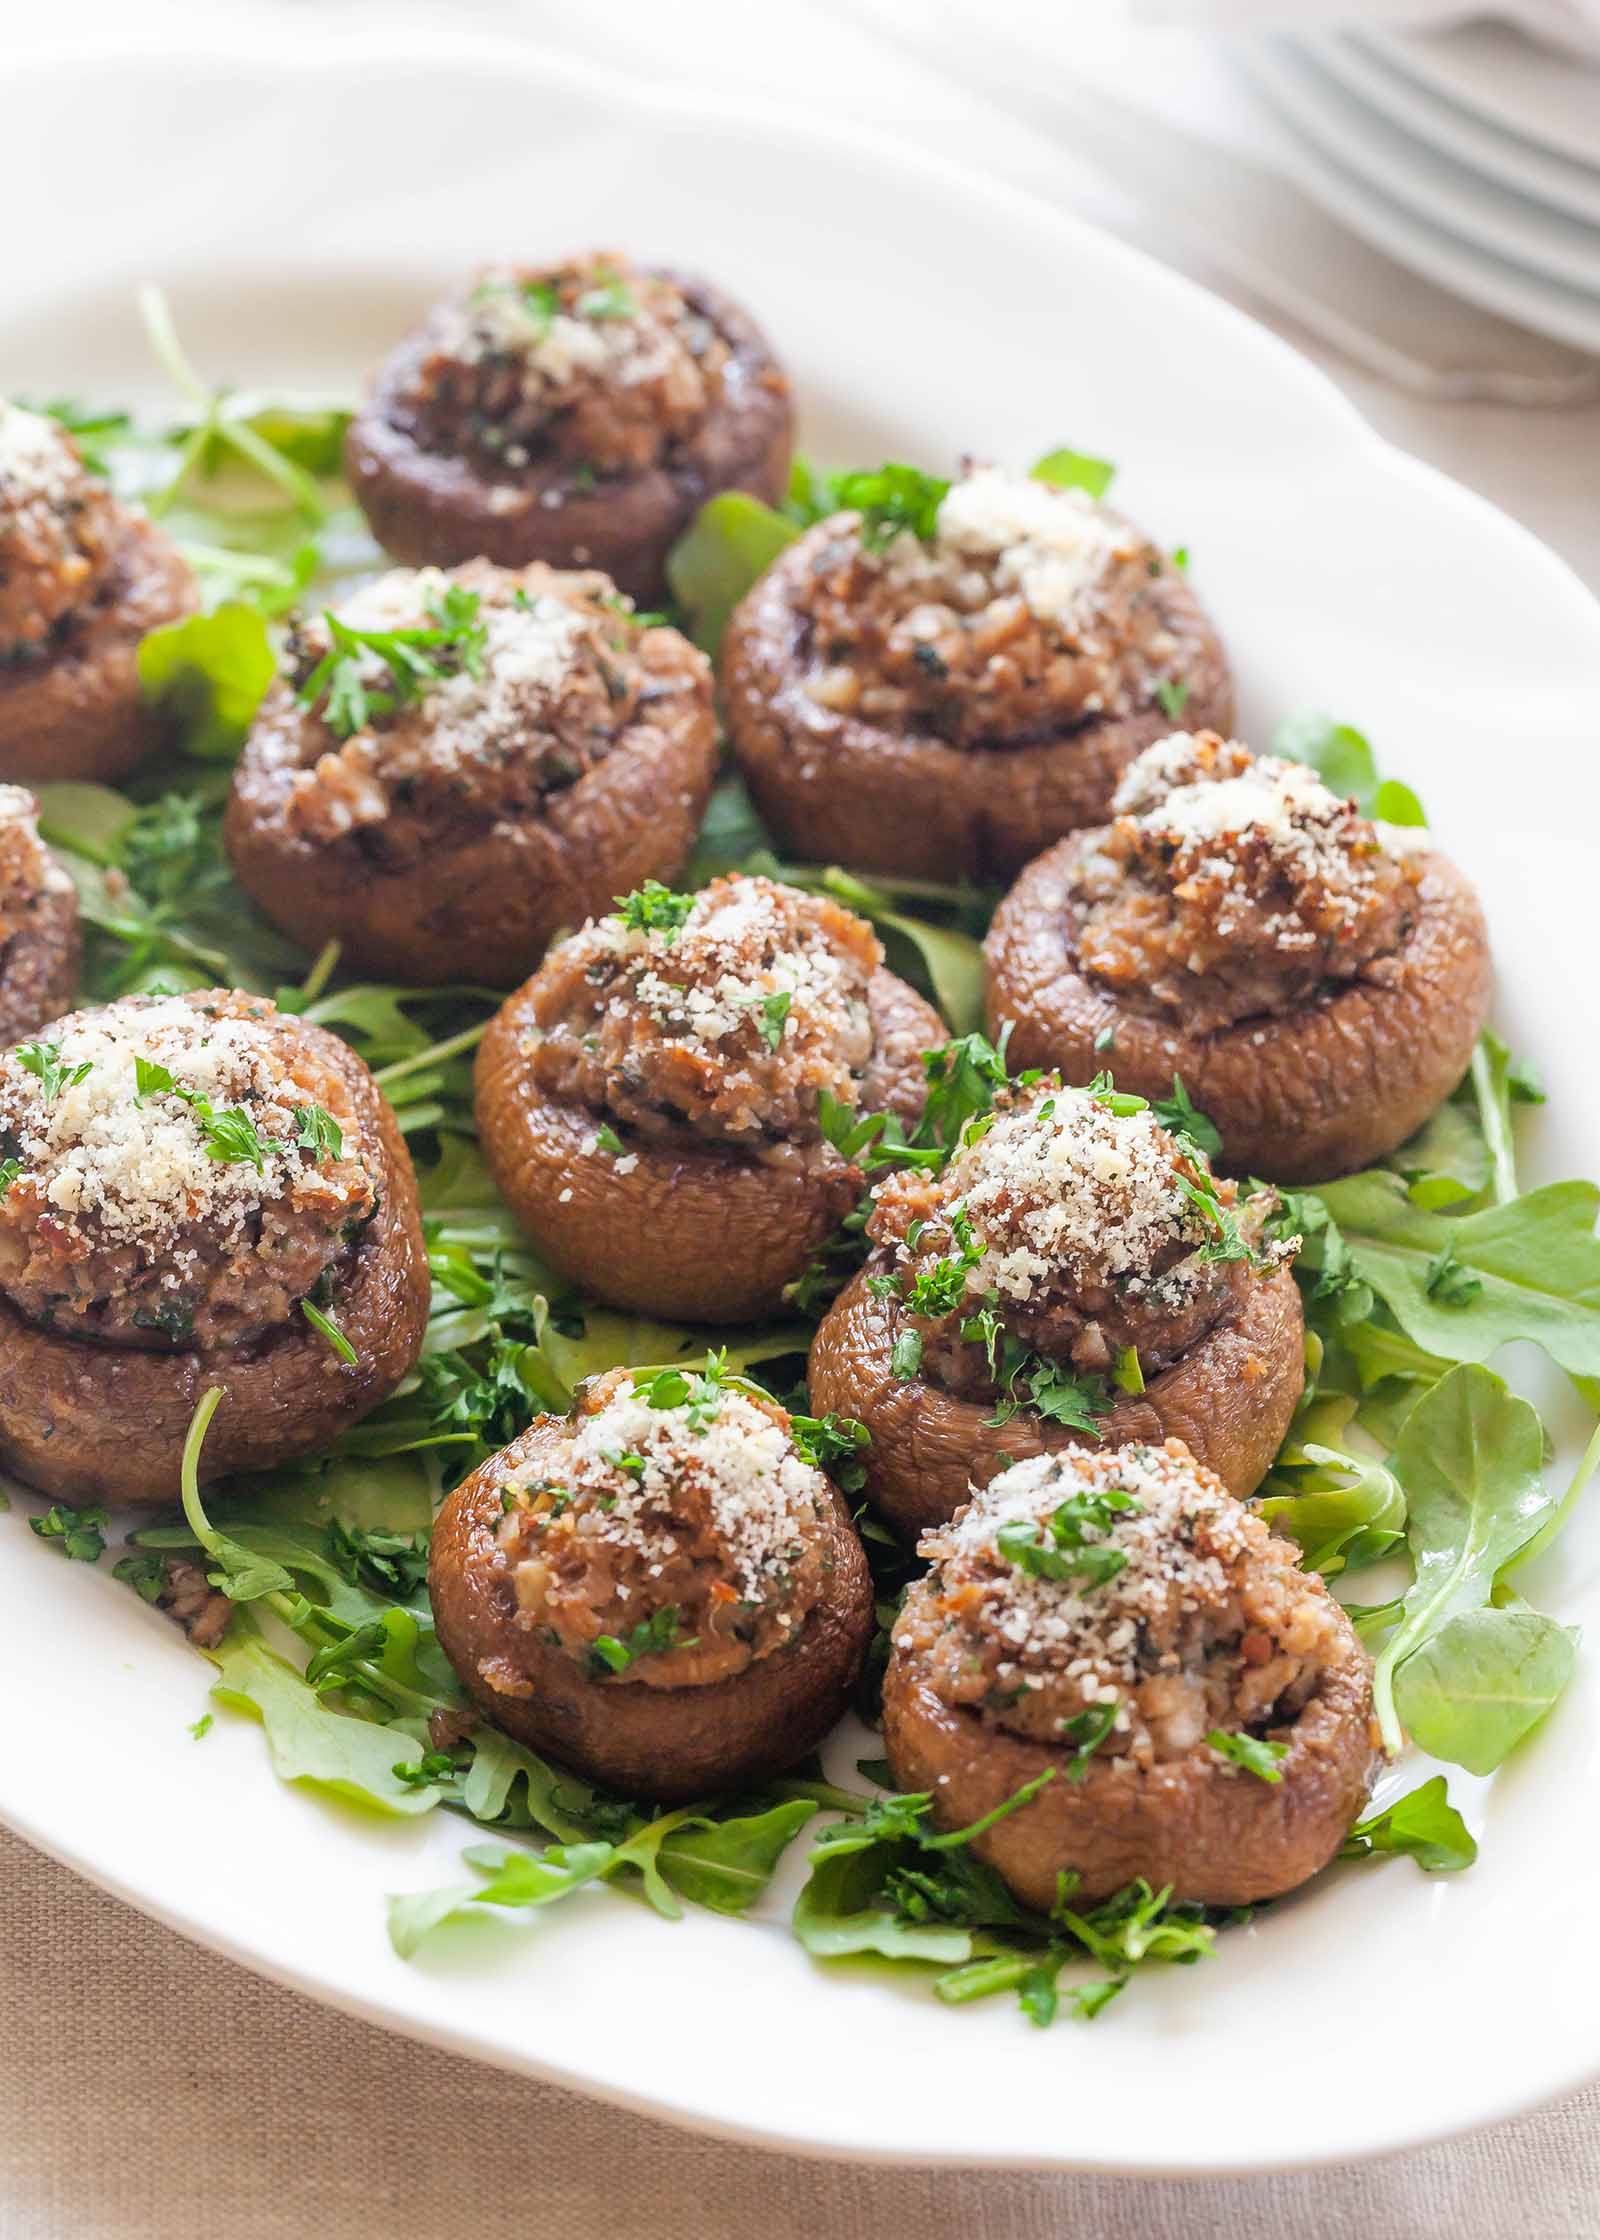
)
(43, 1061)
(368, 674)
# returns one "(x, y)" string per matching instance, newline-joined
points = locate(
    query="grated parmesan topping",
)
(1052, 548)
(36, 458)
(1061, 1184)
(1060, 1622)
(1202, 805)
(139, 1172)
(734, 951)
(762, 1498)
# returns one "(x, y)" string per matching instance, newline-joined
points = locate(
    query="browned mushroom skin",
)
(1230, 1399)
(836, 788)
(426, 505)
(667, 1743)
(107, 1423)
(77, 711)
(693, 1231)
(473, 889)
(40, 940)
(1298, 1096)
(1218, 1838)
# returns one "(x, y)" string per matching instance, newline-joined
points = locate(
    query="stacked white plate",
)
(1471, 154)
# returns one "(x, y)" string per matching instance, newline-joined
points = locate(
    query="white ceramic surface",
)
(1534, 299)
(1549, 98)
(298, 211)
(1484, 214)
(1483, 147)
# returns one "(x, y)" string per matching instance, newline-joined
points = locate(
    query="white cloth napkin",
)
(1570, 24)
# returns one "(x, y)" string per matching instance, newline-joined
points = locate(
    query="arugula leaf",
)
(1537, 1258)
(1345, 763)
(1469, 1458)
(514, 1879)
(206, 677)
(1473, 1689)
(306, 1739)
(731, 542)
(242, 1575)
(1345, 1509)
(1423, 1824)
(726, 1865)
(1075, 470)
(841, 1911)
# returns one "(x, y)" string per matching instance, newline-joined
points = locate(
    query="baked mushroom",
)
(579, 413)
(649, 1104)
(81, 580)
(456, 764)
(661, 1590)
(40, 946)
(1316, 980)
(199, 1190)
(1074, 1277)
(1200, 1707)
(944, 705)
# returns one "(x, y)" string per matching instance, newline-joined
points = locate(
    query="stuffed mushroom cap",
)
(199, 1190)
(663, 1589)
(943, 689)
(1075, 1274)
(40, 945)
(442, 803)
(578, 413)
(81, 581)
(1201, 1707)
(650, 1104)
(1316, 979)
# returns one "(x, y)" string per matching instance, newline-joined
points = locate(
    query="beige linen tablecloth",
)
(150, 2091)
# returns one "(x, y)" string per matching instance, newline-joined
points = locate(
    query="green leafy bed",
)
(1408, 1452)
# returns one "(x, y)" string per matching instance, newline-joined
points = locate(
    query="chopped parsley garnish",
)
(327, 1328)
(1172, 694)
(452, 641)
(43, 1059)
(833, 1443)
(9, 1171)
(231, 1137)
(608, 1140)
(1180, 1114)
(541, 300)
(905, 1358)
(432, 1766)
(88, 429)
(654, 908)
(76, 1531)
(201, 1727)
(150, 1079)
(653, 1637)
(700, 1392)
(774, 1012)
(395, 1562)
(1057, 1549)
(631, 1465)
(319, 1132)
(147, 1575)
(891, 499)
(1448, 1281)
(610, 298)
(1249, 1751)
